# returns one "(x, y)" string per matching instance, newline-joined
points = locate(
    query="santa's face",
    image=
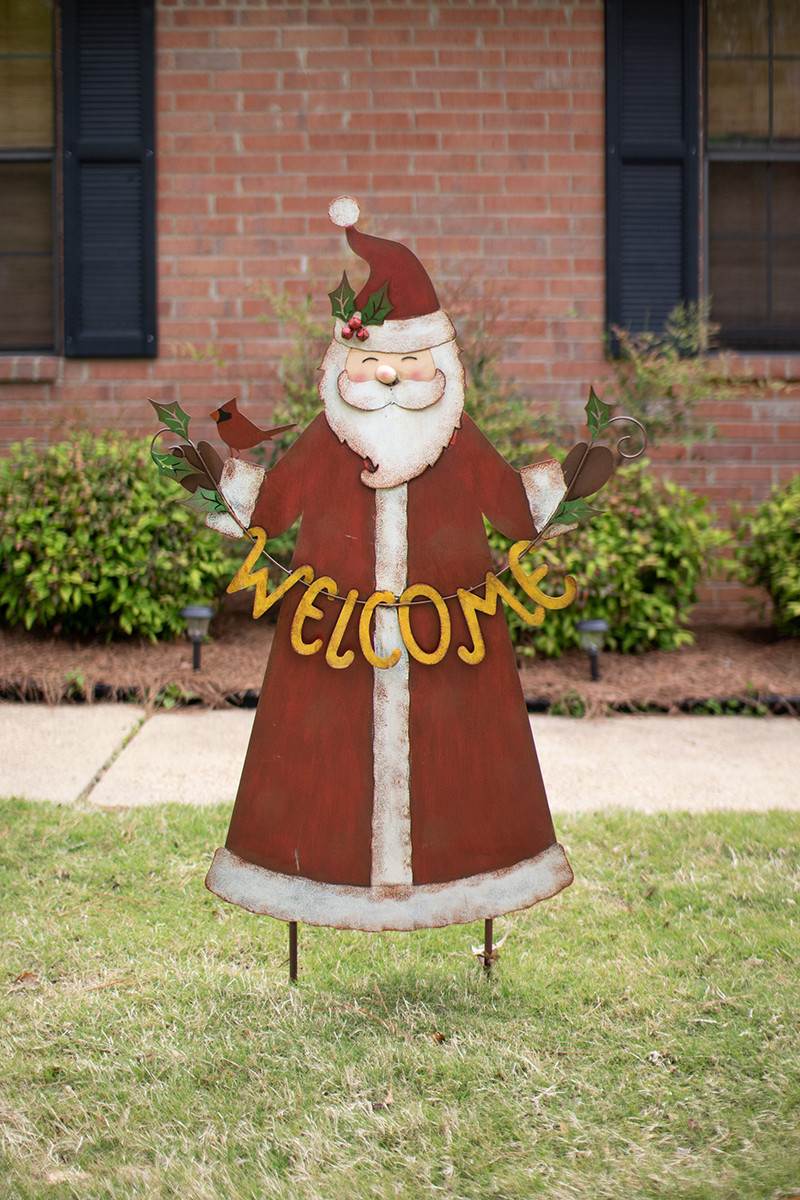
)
(396, 411)
(362, 365)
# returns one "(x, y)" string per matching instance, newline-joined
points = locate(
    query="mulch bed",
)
(748, 665)
(724, 663)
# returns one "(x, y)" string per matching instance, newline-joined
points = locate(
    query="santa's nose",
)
(386, 374)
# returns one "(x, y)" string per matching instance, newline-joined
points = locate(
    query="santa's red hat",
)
(415, 322)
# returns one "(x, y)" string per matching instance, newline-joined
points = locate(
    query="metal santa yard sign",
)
(391, 781)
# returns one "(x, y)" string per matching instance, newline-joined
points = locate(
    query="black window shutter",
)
(652, 167)
(109, 178)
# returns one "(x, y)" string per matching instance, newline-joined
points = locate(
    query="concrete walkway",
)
(113, 756)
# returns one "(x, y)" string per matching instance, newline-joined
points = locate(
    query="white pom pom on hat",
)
(344, 211)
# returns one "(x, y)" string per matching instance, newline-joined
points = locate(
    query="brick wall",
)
(472, 131)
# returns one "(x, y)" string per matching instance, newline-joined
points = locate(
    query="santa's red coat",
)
(307, 821)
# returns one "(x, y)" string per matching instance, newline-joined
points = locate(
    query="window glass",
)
(738, 99)
(26, 103)
(736, 28)
(786, 23)
(26, 286)
(26, 26)
(25, 208)
(786, 99)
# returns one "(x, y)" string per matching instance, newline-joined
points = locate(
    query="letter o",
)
(404, 615)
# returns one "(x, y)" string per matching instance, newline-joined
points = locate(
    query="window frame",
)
(11, 155)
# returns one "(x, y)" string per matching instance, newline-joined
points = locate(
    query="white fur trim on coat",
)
(402, 337)
(391, 756)
(401, 906)
(240, 484)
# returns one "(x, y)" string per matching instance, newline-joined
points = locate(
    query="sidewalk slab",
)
(649, 763)
(655, 763)
(53, 753)
(183, 757)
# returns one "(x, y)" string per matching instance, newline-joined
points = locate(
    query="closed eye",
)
(409, 358)
(368, 360)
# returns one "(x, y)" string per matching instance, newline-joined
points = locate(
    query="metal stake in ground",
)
(488, 953)
(293, 951)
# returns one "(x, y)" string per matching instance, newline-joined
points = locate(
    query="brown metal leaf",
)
(193, 482)
(211, 459)
(205, 461)
(192, 457)
(596, 470)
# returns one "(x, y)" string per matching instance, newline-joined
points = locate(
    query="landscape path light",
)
(197, 618)
(592, 635)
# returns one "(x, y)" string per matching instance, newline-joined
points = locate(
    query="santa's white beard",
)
(401, 429)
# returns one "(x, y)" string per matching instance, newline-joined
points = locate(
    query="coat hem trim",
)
(395, 906)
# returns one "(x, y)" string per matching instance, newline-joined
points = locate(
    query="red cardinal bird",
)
(237, 432)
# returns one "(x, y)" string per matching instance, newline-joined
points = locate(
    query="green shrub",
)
(769, 554)
(93, 541)
(662, 377)
(637, 564)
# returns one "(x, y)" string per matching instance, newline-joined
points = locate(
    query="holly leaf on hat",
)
(598, 414)
(571, 511)
(343, 299)
(378, 307)
(172, 417)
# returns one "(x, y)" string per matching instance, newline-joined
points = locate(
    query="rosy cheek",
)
(358, 376)
(417, 375)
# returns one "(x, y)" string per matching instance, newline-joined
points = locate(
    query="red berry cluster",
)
(355, 326)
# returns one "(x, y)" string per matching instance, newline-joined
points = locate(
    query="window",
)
(104, 177)
(27, 277)
(751, 113)
(753, 151)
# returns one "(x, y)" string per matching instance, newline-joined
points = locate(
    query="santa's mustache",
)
(372, 395)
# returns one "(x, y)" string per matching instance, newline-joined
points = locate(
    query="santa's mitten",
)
(239, 484)
(545, 488)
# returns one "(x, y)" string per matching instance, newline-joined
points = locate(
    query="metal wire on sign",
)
(637, 453)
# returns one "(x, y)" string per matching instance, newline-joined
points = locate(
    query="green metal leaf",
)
(570, 511)
(343, 299)
(172, 417)
(378, 307)
(170, 464)
(598, 414)
(209, 501)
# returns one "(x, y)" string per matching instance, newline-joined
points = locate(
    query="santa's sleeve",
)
(271, 499)
(518, 503)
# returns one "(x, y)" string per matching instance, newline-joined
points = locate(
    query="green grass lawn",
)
(639, 1038)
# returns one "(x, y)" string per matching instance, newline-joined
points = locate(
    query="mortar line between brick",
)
(112, 758)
